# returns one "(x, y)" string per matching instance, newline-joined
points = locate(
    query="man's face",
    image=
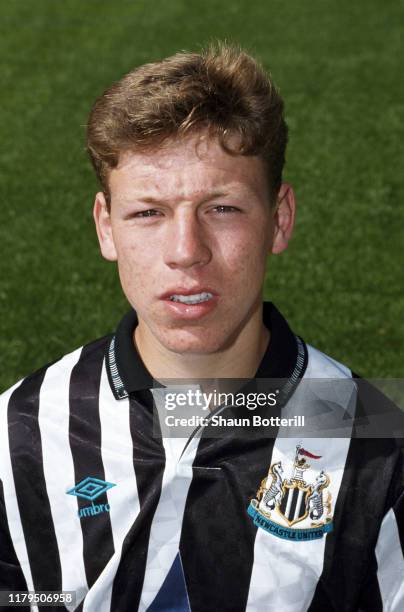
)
(190, 227)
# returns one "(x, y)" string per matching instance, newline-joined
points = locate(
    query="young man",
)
(96, 498)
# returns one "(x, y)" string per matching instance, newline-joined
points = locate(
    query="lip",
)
(184, 291)
(189, 312)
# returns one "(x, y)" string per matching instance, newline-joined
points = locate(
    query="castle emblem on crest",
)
(293, 509)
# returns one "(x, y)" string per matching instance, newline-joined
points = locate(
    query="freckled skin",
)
(211, 225)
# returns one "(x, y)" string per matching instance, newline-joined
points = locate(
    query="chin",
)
(191, 343)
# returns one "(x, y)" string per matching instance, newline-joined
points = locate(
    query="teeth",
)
(197, 298)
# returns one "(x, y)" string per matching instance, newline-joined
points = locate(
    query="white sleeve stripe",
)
(10, 495)
(59, 471)
(390, 561)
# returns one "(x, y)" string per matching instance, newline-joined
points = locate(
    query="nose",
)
(186, 243)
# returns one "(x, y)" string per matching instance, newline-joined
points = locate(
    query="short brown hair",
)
(222, 89)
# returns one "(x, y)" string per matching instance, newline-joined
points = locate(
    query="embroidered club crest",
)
(282, 503)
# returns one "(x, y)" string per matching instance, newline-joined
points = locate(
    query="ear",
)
(103, 226)
(284, 218)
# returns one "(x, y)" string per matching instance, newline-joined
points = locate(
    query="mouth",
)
(194, 298)
(189, 304)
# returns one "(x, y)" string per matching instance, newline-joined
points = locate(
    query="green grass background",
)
(339, 67)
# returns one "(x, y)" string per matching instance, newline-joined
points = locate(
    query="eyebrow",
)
(152, 200)
(145, 199)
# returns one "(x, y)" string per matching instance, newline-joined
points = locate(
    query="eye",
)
(221, 209)
(151, 212)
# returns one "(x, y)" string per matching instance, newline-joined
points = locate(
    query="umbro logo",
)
(90, 488)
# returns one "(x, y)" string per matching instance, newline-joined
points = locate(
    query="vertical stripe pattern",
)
(54, 413)
(217, 533)
(117, 458)
(148, 457)
(85, 444)
(170, 528)
(390, 561)
(30, 484)
(165, 529)
(13, 551)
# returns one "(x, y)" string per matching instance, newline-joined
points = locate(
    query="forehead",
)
(186, 167)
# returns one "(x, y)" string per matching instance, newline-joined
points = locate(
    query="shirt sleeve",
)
(390, 547)
(11, 575)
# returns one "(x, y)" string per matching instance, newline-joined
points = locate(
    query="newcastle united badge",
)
(293, 509)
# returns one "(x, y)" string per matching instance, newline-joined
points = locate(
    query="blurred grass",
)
(338, 65)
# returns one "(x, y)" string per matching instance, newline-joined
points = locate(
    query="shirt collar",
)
(285, 357)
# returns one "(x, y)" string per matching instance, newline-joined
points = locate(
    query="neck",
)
(239, 360)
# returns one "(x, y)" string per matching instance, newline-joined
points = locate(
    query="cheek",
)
(134, 252)
(245, 253)
(135, 266)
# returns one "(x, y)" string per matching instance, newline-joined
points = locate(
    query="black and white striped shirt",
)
(92, 502)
